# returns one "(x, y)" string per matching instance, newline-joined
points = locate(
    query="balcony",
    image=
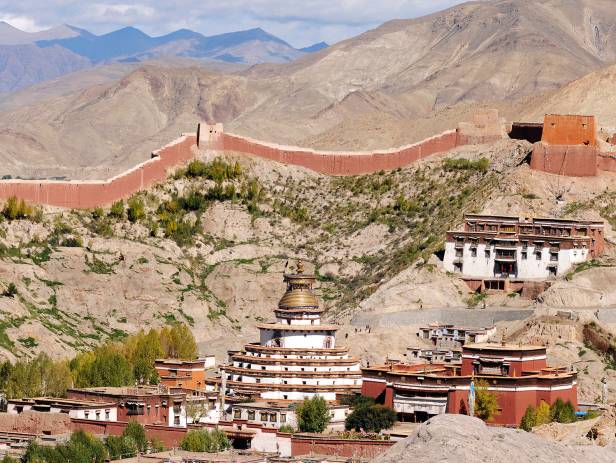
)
(505, 256)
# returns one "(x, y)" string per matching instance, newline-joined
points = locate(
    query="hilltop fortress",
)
(564, 145)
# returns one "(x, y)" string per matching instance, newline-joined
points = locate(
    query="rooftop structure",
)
(145, 404)
(75, 408)
(446, 342)
(492, 249)
(188, 374)
(518, 374)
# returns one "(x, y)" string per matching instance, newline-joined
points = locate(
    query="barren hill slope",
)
(111, 128)
(478, 51)
(594, 93)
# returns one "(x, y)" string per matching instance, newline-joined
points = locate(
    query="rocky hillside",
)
(463, 439)
(213, 256)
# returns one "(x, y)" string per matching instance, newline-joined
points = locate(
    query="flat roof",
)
(124, 391)
(283, 327)
(61, 401)
(500, 346)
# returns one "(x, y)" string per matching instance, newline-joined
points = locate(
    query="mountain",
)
(10, 35)
(24, 65)
(594, 93)
(315, 47)
(499, 50)
(250, 46)
(398, 83)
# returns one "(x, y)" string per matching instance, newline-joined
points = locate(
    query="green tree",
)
(178, 342)
(80, 448)
(544, 414)
(16, 209)
(486, 401)
(120, 447)
(117, 209)
(202, 440)
(142, 350)
(562, 412)
(313, 415)
(104, 366)
(372, 418)
(8, 459)
(136, 209)
(529, 420)
(40, 376)
(136, 432)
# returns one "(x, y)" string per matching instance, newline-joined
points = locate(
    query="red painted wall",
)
(171, 437)
(568, 160)
(89, 194)
(364, 449)
(341, 163)
(561, 129)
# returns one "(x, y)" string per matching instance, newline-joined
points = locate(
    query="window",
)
(251, 415)
(473, 252)
(107, 417)
(457, 267)
(524, 255)
(554, 257)
(538, 255)
(272, 417)
(176, 420)
(263, 416)
(283, 417)
(459, 252)
(237, 414)
(487, 253)
(98, 415)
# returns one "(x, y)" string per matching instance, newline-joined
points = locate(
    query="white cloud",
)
(21, 22)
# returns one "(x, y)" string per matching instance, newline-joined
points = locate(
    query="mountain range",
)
(29, 58)
(403, 81)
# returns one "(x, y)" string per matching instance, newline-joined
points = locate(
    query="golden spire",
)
(504, 337)
(300, 267)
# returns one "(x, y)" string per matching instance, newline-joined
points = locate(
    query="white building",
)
(296, 356)
(80, 409)
(501, 247)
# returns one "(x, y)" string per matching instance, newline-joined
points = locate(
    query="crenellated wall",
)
(486, 127)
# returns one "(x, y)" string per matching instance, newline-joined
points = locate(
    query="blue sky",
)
(300, 22)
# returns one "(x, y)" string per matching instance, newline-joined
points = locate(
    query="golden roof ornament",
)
(300, 267)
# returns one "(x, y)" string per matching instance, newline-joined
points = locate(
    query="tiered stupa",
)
(296, 356)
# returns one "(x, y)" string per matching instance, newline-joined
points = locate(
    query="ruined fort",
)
(567, 145)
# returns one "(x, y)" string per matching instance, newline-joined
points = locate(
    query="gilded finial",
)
(504, 338)
(300, 267)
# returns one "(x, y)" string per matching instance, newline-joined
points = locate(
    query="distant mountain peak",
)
(315, 47)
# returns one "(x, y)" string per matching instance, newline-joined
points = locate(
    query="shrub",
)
(563, 412)
(287, 428)
(529, 420)
(136, 432)
(486, 401)
(313, 415)
(373, 418)
(120, 447)
(202, 440)
(117, 209)
(543, 415)
(480, 165)
(16, 209)
(136, 209)
(11, 290)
